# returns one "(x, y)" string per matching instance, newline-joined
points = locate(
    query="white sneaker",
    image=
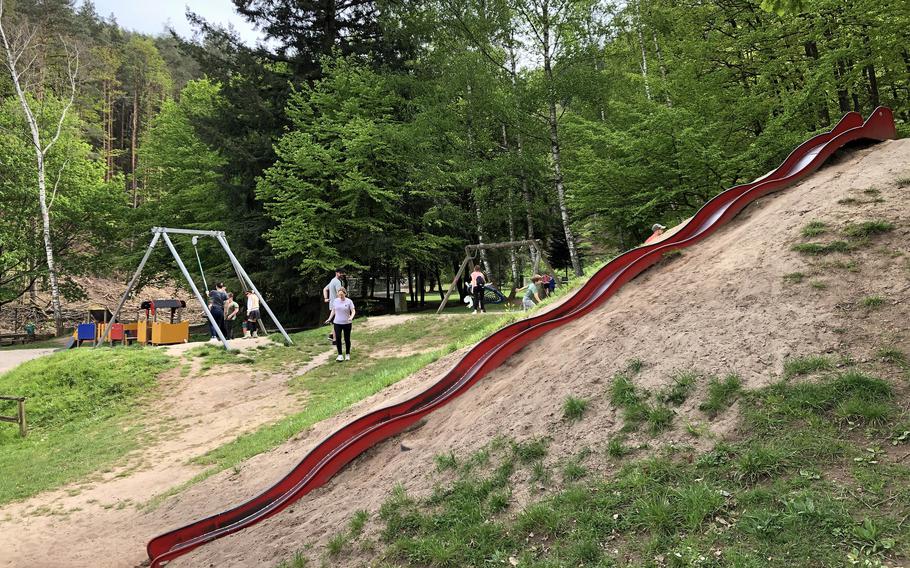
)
(347, 357)
(474, 313)
(213, 340)
(255, 334)
(339, 358)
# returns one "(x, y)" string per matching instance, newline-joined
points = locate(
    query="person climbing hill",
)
(341, 317)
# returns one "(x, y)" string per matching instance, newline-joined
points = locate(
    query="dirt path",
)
(15, 357)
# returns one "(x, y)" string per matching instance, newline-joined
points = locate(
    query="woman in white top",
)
(341, 315)
(252, 314)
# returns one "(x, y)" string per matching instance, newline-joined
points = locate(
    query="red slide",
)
(333, 453)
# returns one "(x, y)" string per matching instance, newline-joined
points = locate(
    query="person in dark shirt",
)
(218, 297)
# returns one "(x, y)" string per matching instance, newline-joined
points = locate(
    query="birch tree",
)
(19, 61)
(550, 26)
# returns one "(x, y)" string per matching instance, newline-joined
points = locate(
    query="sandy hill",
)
(731, 304)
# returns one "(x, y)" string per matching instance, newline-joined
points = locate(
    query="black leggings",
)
(343, 329)
(218, 316)
(478, 298)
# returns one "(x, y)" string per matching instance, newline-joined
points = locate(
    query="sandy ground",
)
(723, 306)
(15, 357)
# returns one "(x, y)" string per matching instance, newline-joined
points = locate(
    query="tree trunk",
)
(663, 72)
(513, 257)
(133, 135)
(48, 245)
(644, 57)
(556, 160)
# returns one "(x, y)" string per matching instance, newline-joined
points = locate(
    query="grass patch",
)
(721, 394)
(818, 285)
(821, 249)
(893, 355)
(872, 302)
(868, 229)
(616, 448)
(677, 393)
(807, 365)
(814, 229)
(794, 277)
(903, 182)
(848, 201)
(574, 408)
(660, 418)
(79, 408)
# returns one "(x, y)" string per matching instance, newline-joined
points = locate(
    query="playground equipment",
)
(333, 453)
(471, 251)
(96, 318)
(160, 332)
(165, 331)
(491, 295)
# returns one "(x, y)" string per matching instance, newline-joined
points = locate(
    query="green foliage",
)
(794, 277)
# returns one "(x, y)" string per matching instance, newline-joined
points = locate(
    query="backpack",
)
(480, 283)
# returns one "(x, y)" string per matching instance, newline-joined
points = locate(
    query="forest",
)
(384, 136)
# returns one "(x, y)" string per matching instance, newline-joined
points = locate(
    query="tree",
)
(17, 50)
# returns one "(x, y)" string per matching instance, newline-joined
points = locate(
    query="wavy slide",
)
(333, 453)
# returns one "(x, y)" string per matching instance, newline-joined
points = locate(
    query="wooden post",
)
(23, 428)
(445, 299)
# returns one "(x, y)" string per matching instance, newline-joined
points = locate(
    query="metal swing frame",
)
(161, 233)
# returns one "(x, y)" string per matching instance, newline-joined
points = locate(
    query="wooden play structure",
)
(535, 247)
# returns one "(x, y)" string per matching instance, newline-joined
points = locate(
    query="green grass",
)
(814, 229)
(680, 389)
(574, 408)
(660, 418)
(868, 229)
(893, 355)
(821, 249)
(818, 285)
(616, 449)
(872, 302)
(763, 500)
(807, 365)
(848, 201)
(794, 277)
(903, 182)
(721, 394)
(81, 410)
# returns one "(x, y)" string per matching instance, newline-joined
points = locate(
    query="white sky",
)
(154, 16)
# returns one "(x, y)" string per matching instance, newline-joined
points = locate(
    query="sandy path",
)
(15, 357)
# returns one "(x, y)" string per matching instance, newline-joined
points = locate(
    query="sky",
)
(154, 16)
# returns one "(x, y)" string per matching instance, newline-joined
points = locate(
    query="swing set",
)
(535, 248)
(162, 233)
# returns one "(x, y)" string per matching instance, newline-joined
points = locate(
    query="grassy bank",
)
(78, 409)
(818, 479)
